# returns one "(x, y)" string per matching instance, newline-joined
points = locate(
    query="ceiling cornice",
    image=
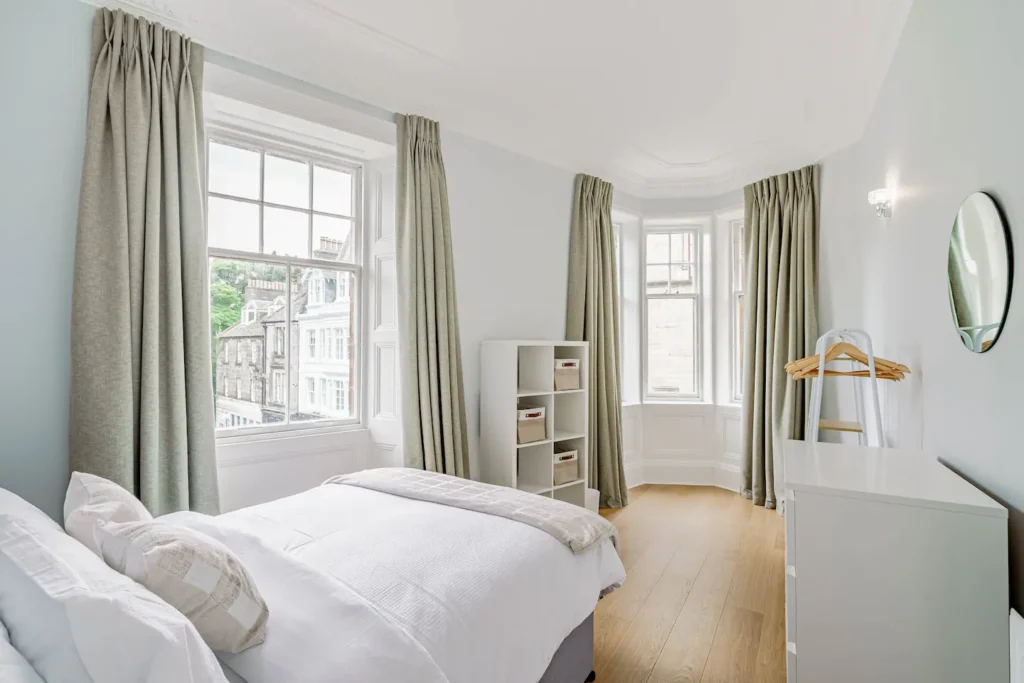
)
(458, 64)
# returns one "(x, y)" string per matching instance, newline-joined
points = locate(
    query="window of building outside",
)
(672, 313)
(284, 237)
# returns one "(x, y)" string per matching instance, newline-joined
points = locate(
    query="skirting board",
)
(689, 473)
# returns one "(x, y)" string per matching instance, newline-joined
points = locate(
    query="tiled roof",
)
(253, 329)
(279, 316)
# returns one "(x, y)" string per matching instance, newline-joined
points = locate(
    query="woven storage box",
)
(567, 374)
(567, 467)
(531, 425)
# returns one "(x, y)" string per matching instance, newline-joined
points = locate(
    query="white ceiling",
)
(662, 97)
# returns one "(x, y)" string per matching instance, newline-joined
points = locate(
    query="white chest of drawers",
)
(896, 570)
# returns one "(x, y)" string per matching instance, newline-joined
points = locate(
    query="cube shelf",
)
(521, 374)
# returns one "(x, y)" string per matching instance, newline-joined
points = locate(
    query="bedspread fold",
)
(577, 528)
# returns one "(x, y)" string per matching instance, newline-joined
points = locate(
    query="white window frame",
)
(280, 383)
(656, 227)
(736, 292)
(311, 343)
(339, 395)
(297, 150)
(340, 345)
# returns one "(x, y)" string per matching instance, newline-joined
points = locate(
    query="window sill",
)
(272, 434)
(676, 402)
(694, 402)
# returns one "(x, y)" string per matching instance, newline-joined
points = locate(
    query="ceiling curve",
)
(665, 98)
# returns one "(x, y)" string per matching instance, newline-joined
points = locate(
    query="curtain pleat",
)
(781, 232)
(433, 398)
(141, 393)
(592, 315)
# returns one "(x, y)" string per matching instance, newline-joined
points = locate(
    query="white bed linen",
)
(76, 620)
(14, 668)
(387, 588)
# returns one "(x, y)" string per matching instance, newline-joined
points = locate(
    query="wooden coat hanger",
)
(884, 369)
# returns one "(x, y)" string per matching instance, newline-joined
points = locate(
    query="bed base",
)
(574, 660)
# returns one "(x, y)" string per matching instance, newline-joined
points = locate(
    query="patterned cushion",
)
(93, 500)
(196, 574)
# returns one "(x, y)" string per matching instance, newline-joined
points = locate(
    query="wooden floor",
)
(704, 596)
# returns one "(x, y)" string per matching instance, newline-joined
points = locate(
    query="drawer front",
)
(790, 514)
(791, 603)
(791, 592)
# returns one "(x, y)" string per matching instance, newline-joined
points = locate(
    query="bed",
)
(365, 586)
(459, 596)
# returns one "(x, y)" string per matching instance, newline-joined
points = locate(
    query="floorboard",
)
(703, 600)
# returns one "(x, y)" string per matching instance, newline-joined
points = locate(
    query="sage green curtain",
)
(433, 399)
(781, 302)
(141, 385)
(592, 315)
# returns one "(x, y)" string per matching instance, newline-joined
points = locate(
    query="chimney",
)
(263, 290)
(329, 249)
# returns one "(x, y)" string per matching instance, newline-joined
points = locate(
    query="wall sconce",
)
(881, 199)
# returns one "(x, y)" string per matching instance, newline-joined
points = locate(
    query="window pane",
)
(244, 390)
(332, 191)
(324, 318)
(285, 182)
(737, 255)
(657, 248)
(738, 348)
(233, 225)
(657, 279)
(682, 247)
(234, 171)
(683, 280)
(285, 232)
(670, 347)
(333, 239)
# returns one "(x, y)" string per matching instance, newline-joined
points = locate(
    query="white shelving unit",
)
(521, 374)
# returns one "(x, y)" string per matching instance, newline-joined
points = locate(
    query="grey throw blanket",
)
(576, 527)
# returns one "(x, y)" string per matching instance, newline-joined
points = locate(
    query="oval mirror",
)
(980, 272)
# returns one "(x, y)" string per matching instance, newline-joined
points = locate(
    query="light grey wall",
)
(681, 206)
(44, 50)
(510, 220)
(947, 122)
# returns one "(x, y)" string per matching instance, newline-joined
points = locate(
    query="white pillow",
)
(13, 667)
(76, 620)
(91, 500)
(194, 573)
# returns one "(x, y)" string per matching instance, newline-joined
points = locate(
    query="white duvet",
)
(366, 587)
